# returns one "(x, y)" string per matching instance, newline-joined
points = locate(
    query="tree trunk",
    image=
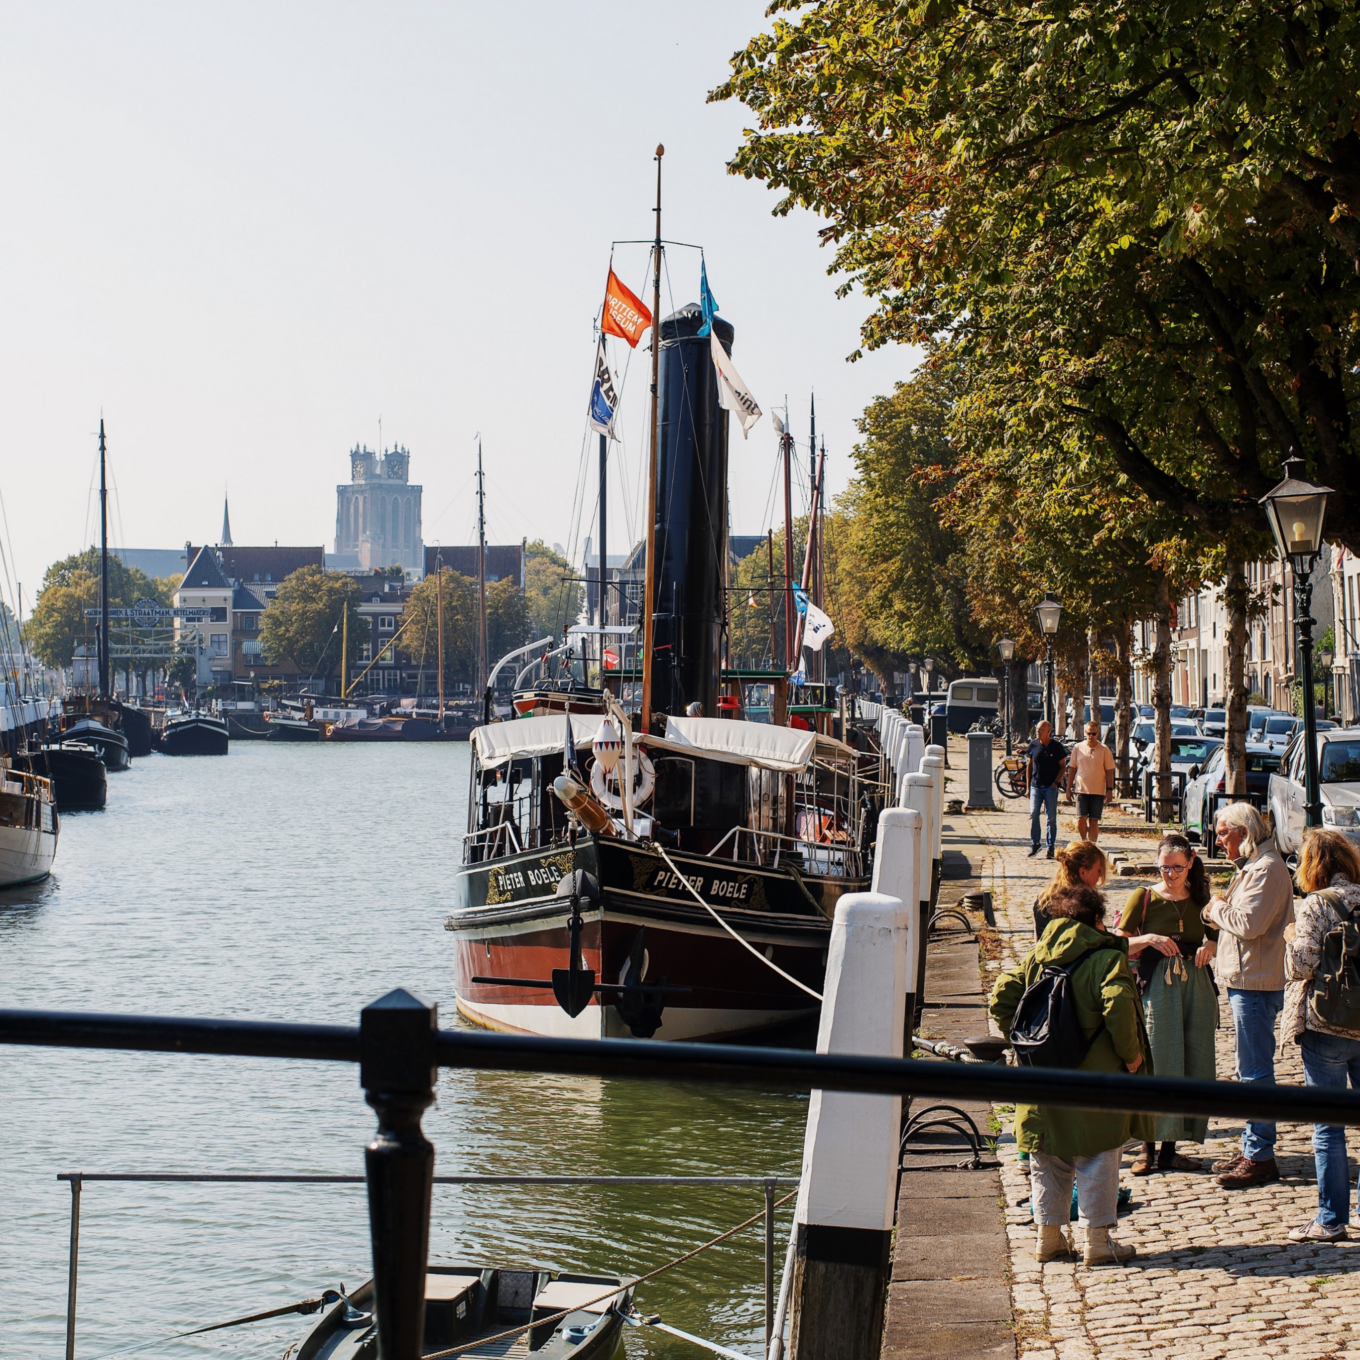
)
(1161, 695)
(1123, 702)
(1235, 679)
(1093, 672)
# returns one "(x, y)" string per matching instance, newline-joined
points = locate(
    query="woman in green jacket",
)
(1082, 1145)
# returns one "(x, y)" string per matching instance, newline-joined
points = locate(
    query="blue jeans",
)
(1328, 1061)
(1254, 1015)
(1047, 798)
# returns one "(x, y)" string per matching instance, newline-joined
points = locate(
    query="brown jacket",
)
(1256, 908)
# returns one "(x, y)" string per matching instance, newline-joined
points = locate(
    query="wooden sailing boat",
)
(656, 872)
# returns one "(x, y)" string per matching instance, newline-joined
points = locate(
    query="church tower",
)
(377, 515)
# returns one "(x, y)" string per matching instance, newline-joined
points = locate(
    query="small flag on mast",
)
(707, 302)
(817, 626)
(625, 314)
(733, 394)
(603, 401)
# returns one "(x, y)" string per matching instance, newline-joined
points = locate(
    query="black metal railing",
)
(399, 1046)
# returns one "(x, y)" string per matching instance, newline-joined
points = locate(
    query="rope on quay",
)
(641, 1279)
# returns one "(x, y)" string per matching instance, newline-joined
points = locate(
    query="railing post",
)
(769, 1264)
(897, 872)
(71, 1268)
(398, 1080)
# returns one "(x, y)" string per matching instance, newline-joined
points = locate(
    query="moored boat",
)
(194, 734)
(29, 826)
(111, 746)
(79, 780)
(468, 1303)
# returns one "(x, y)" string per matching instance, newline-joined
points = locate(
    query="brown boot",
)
(1250, 1173)
(1146, 1161)
(1225, 1164)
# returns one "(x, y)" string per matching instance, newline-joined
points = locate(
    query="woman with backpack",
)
(1082, 1145)
(1321, 966)
(1171, 950)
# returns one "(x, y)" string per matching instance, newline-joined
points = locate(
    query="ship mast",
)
(786, 440)
(439, 612)
(103, 571)
(481, 571)
(649, 586)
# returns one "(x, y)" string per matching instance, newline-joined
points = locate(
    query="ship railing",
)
(24, 784)
(771, 848)
(399, 1047)
(492, 841)
(766, 1184)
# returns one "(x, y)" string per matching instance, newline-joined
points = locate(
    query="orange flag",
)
(625, 315)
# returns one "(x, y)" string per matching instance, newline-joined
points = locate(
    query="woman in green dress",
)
(1171, 949)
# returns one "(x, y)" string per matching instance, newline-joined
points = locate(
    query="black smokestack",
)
(691, 516)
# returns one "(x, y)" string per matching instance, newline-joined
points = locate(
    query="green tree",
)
(303, 626)
(507, 624)
(553, 594)
(70, 587)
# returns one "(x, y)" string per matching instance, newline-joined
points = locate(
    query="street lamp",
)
(1049, 612)
(929, 664)
(1007, 649)
(1295, 510)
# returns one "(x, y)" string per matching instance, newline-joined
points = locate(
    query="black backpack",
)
(1334, 997)
(1045, 1030)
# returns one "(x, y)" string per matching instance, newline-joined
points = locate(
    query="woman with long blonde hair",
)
(1079, 865)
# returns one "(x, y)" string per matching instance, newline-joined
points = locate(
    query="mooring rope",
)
(617, 1289)
(306, 1306)
(769, 963)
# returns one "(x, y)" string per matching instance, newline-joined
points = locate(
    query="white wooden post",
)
(918, 793)
(916, 746)
(933, 765)
(843, 1223)
(897, 873)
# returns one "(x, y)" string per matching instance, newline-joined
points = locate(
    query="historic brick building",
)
(377, 519)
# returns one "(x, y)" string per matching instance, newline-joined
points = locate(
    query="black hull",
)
(293, 732)
(510, 923)
(80, 782)
(195, 737)
(111, 747)
(135, 725)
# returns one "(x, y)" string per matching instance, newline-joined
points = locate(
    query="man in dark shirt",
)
(1047, 766)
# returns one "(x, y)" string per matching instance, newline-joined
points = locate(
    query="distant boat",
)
(79, 780)
(286, 727)
(464, 1303)
(194, 734)
(111, 746)
(28, 827)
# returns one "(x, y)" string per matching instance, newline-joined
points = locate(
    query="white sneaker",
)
(1313, 1231)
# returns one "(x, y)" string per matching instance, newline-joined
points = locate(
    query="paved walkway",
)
(1215, 1276)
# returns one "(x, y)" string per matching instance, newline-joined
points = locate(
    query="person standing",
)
(1251, 917)
(1081, 864)
(1047, 765)
(1090, 770)
(1171, 951)
(1329, 873)
(1084, 1146)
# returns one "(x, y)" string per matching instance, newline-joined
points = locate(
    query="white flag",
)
(817, 627)
(732, 393)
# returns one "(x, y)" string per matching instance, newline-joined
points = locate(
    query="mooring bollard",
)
(933, 765)
(897, 873)
(918, 794)
(398, 1080)
(843, 1223)
(916, 746)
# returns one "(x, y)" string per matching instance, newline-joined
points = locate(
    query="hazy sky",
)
(246, 233)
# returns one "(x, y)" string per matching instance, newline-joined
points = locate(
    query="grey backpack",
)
(1334, 997)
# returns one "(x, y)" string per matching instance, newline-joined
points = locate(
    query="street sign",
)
(149, 614)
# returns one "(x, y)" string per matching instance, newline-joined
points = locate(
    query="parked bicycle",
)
(1012, 777)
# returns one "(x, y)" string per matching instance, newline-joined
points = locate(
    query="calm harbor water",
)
(298, 883)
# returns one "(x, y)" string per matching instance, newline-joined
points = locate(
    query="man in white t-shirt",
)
(1091, 769)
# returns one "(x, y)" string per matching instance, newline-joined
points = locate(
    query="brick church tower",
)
(377, 514)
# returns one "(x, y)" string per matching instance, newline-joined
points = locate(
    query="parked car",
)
(1145, 733)
(1338, 788)
(1214, 722)
(1187, 754)
(1262, 762)
(1257, 719)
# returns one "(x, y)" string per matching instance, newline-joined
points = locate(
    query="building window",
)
(386, 623)
(365, 652)
(217, 644)
(217, 614)
(250, 649)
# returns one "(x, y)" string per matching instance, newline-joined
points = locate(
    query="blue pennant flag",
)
(800, 599)
(603, 401)
(706, 300)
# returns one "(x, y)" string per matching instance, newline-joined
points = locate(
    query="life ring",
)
(643, 784)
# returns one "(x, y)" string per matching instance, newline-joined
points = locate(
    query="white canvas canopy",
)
(538, 736)
(740, 743)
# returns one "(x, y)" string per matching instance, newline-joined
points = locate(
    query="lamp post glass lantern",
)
(1007, 649)
(1049, 612)
(1295, 510)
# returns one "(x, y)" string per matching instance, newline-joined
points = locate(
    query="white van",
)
(969, 700)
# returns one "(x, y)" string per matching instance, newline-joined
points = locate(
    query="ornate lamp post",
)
(1007, 649)
(929, 664)
(1296, 509)
(1049, 612)
(1327, 659)
(911, 683)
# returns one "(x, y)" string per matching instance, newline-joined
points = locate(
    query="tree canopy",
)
(554, 595)
(302, 627)
(507, 624)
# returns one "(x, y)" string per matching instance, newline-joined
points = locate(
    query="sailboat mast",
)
(344, 649)
(649, 586)
(439, 612)
(602, 609)
(482, 665)
(786, 439)
(815, 509)
(103, 569)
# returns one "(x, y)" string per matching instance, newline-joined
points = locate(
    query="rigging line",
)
(306, 1306)
(769, 963)
(618, 1289)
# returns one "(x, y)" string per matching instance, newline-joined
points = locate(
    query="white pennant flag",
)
(732, 392)
(817, 627)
